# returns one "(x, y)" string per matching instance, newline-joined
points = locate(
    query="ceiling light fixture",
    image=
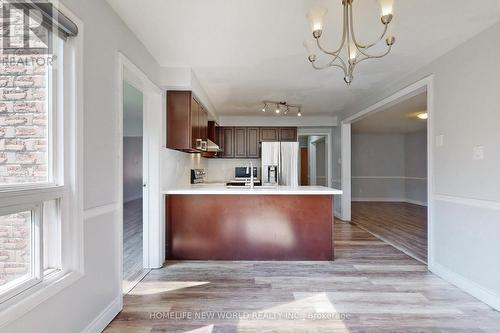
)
(423, 116)
(287, 108)
(355, 52)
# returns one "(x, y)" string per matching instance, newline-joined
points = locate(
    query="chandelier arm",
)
(330, 65)
(342, 63)
(376, 56)
(344, 35)
(359, 45)
(332, 53)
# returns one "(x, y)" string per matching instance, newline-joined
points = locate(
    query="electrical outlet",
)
(478, 152)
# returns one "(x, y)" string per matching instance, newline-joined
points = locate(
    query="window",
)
(35, 166)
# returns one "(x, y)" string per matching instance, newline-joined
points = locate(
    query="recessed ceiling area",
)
(401, 118)
(247, 51)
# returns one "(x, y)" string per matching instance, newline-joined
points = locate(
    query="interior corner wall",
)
(465, 202)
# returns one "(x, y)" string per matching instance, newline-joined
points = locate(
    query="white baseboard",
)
(104, 318)
(479, 292)
(379, 199)
(415, 202)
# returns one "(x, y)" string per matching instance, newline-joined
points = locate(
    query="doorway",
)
(313, 164)
(134, 203)
(389, 175)
(139, 175)
(386, 170)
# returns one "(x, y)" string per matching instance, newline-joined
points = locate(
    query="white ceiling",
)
(246, 51)
(397, 119)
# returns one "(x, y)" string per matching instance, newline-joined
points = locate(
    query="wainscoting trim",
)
(377, 199)
(99, 210)
(389, 177)
(468, 201)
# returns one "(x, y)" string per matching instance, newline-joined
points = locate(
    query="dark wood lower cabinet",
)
(249, 227)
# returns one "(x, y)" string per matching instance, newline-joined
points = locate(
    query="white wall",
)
(337, 166)
(416, 167)
(466, 198)
(321, 170)
(378, 167)
(132, 143)
(390, 167)
(77, 307)
(132, 168)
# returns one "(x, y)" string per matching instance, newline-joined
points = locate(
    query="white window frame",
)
(69, 145)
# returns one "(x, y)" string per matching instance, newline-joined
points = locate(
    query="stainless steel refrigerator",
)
(280, 163)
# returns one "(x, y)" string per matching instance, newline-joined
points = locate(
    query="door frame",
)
(425, 84)
(327, 132)
(153, 229)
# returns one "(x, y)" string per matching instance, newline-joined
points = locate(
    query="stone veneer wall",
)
(23, 143)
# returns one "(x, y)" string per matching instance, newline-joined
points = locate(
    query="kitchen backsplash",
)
(222, 170)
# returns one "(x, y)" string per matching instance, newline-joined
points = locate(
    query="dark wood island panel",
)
(249, 227)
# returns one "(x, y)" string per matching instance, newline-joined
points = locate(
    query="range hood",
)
(212, 146)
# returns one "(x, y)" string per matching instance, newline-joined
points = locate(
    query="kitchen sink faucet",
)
(251, 175)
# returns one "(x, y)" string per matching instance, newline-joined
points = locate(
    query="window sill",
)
(27, 300)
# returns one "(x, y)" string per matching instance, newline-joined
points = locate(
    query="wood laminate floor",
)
(132, 241)
(401, 224)
(370, 287)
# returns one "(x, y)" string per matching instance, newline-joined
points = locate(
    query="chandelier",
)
(355, 52)
(282, 108)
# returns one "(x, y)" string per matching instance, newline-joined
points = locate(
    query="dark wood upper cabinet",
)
(227, 142)
(195, 124)
(212, 132)
(253, 141)
(288, 134)
(269, 134)
(187, 121)
(244, 142)
(203, 117)
(240, 142)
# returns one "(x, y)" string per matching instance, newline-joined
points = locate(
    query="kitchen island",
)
(213, 222)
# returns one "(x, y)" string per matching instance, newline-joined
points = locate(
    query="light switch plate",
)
(478, 152)
(439, 140)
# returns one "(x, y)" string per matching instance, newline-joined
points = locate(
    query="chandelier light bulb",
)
(386, 7)
(423, 115)
(277, 109)
(316, 17)
(299, 114)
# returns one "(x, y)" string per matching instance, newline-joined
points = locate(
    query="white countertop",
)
(221, 189)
